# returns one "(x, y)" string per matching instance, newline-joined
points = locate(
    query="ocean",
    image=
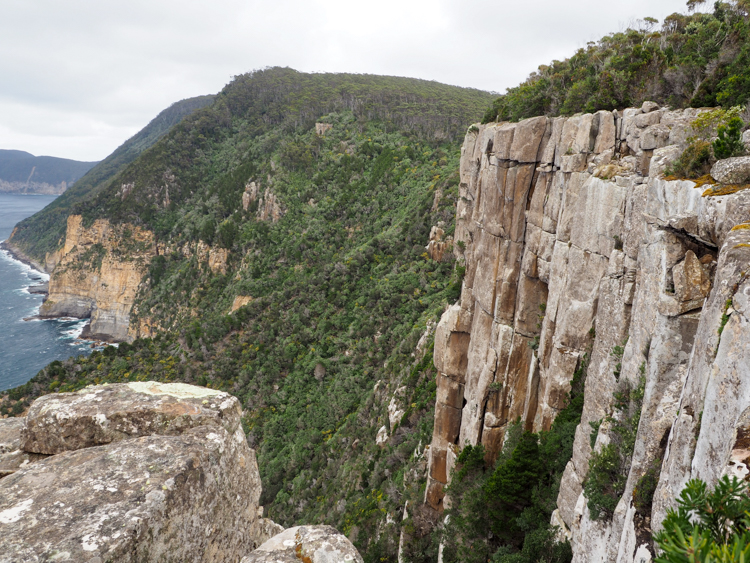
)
(28, 346)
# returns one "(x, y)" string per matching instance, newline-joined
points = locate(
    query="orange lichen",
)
(741, 227)
(699, 182)
(725, 189)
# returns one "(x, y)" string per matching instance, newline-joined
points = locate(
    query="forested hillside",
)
(41, 233)
(324, 231)
(689, 60)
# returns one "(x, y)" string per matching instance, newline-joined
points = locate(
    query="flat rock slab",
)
(104, 414)
(312, 544)
(192, 497)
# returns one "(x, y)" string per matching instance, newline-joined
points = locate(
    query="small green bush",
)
(694, 162)
(708, 526)
(609, 467)
(729, 140)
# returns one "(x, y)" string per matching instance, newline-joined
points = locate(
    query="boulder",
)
(191, 497)
(104, 414)
(313, 544)
(143, 472)
(10, 434)
(734, 170)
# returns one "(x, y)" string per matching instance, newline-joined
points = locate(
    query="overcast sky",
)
(78, 77)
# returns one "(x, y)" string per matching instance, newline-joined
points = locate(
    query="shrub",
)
(694, 162)
(609, 467)
(729, 140)
(708, 526)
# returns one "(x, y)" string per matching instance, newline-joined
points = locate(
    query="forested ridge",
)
(340, 287)
(699, 59)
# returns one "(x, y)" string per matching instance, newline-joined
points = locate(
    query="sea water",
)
(26, 346)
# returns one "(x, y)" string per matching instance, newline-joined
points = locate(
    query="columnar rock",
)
(141, 472)
(573, 244)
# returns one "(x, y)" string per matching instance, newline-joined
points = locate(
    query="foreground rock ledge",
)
(189, 492)
(156, 498)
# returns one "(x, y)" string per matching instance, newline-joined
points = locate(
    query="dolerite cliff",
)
(574, 244)
(141, 471)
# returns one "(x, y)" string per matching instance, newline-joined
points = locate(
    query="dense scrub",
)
(341, 287)
(693, 60)
(44, 231)
(500, 512)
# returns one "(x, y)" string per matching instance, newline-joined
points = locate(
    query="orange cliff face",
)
(97, 274)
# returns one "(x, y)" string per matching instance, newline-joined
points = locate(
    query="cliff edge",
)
(577, 249)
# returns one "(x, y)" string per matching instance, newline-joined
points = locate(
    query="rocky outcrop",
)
(268, 205)
(732, 170)
(439, 247)
(240, 301)
(97, 275)
(573, 245)
(109, 413)
(173, 478)
(312, 544)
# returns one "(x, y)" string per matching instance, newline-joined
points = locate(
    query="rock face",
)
(93, 278)
(574, 244)
(313, 544)
(173, 481)
(732, 170)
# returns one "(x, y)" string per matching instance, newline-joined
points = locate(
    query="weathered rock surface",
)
(176, 482)
(109, 413)
(12, 457)
(732, 170)
(314, 544)
(156, 498)
(584, 248)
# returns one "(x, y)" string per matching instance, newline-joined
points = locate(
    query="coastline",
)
(17, 254)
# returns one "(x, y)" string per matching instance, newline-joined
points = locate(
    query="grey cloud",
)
(79, 77)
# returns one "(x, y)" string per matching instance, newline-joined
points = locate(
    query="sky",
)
(79, 77)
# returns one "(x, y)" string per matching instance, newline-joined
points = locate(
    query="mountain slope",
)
(41, 233)
(22, 172)
(286, 226)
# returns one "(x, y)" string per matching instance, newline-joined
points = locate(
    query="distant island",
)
(23, 173)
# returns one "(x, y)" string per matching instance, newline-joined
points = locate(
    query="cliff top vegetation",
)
(699, 59)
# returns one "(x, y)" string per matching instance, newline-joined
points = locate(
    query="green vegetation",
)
(44, 231)
(724, 126)
(693, 60)
(708, 526)
(610, 465)
(341, 287)
(501, 511)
